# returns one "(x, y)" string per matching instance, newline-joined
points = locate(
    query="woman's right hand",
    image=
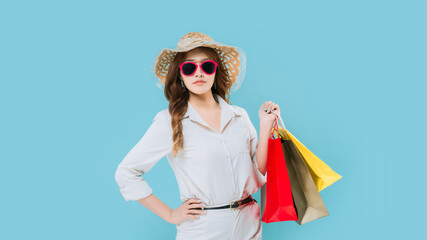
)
(185, 211)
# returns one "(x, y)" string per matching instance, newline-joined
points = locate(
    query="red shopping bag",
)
(279, 202)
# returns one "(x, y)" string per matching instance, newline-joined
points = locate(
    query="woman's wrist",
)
(265, 126)
(168, 217)
(157, 206)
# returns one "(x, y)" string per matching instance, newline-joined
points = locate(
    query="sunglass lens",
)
(188, 68)
(208, 67)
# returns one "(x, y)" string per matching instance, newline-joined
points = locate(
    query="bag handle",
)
(275, 129)
(278, 116)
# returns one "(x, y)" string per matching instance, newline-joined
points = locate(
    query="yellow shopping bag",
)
(323, 176)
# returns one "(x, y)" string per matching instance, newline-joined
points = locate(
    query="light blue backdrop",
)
(76, 96)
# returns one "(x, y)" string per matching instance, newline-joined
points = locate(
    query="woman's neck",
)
(205, 101)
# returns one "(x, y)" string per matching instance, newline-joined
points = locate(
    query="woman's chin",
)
(200, 90)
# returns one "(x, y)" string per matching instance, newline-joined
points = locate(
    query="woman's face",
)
(198, 56)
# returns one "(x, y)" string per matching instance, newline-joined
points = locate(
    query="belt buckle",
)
(240, 204)
(231, 205)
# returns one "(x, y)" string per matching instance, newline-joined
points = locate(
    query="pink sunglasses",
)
(189, 68)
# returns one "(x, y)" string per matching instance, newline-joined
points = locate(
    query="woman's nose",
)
(199, 71)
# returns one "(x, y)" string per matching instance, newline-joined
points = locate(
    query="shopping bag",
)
(323, 176)
(308, 202)
(277, 201)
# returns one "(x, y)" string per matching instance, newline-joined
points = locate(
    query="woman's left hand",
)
(267, 117)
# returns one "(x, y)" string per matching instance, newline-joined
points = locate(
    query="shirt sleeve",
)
(153, 146)
(261, 179)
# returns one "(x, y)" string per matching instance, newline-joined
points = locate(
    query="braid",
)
(177, 136)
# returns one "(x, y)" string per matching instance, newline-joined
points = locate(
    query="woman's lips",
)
(199, 82)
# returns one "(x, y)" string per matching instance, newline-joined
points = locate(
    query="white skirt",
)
(240, 224)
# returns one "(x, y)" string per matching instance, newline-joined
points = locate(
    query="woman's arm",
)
(266, 123)
(174, 216)
(153, 146)
(156, 206)
(261, 153)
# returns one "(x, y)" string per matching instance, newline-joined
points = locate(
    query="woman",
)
(210, 144)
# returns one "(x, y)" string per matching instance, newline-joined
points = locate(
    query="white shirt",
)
(215, 167)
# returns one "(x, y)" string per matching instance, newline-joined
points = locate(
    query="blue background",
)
(76, 96)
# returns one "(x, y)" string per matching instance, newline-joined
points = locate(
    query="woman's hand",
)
(185, 211)
(267, 117)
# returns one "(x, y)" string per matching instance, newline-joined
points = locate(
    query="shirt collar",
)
(227, 113)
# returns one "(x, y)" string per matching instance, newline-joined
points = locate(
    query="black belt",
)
(232, 205)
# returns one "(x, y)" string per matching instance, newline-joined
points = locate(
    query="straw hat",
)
(233, 58)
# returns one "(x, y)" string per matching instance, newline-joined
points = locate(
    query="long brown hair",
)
(178, 98)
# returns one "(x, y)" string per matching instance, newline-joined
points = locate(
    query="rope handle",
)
(275, 129)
